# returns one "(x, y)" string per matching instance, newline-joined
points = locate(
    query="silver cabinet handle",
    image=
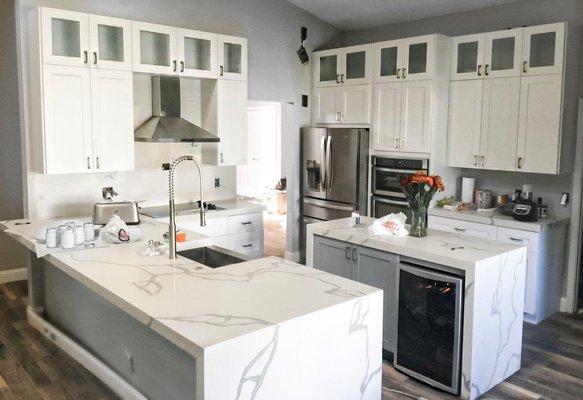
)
(482, 159)
(486, 69)
(95, 58)
(222, 158)
(246, 223)
(354, 254)
(519, 163)
(516, 239)
(174, 65)
(97, 162)
(396, 143)
(181, 66)
(247, 245)
(475, 160)
(341, 78)
(398, 73)
(347, 252)
(479, 70)
(85, 57)
(88, 163)
(221, 70)
(459, 229)
(404, 73)
(402, 143)
(337, 78)
(525, 66)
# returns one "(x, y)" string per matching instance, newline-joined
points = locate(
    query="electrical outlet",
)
(217, 182)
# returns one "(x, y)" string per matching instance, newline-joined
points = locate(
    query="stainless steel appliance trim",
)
(456, 367)
(323, 163)
(387, 193)
(330, 164)
(388, 201)
(404, 171)
(326, 204)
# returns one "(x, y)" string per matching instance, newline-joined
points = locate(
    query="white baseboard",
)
(292, 256)
(13, 275)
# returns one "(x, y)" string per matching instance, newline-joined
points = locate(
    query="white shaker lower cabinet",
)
(539, 134)
(545, 259)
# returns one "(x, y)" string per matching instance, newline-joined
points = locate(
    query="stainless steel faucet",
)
(172, 225)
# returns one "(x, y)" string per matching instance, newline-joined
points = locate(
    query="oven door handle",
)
(399, 203)
(323, 163)
(400, 171)
(324, 204)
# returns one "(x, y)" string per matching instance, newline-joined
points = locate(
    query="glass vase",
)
(418, 222)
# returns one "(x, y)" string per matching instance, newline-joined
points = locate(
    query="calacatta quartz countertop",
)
(439, 247)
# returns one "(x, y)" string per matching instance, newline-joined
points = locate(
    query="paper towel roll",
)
(468, 185)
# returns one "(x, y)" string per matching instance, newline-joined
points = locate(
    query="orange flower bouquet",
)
(419, 189)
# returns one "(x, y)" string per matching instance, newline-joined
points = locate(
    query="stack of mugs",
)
(70, 235)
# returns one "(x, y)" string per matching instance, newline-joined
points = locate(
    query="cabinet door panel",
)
(387, 114)
(465, 118)
(543, 49)
(112, 116)
(418, 55)
(67, 119)
(415, 117)
(154, 48)
(467, 57)
(197, 53)
(356, 61)
(499, 124)
(540, 124)
(326, 106)
(387, 61)
(354, 104)
(327, 68)
(111, 44)
(65, 37)
(332, 256)
(503, 53)
(232, 57)
(232, 122)
(379, 269)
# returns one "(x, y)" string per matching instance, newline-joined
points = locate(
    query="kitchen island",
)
(493, 284)
(154, 328)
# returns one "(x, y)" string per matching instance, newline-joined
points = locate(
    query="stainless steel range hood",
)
(166, 124)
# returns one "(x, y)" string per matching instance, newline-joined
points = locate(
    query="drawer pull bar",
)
(460, 229)
(516, 239)
(246, 223)
(247, 245)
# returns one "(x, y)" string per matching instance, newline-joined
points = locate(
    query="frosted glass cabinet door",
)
(65, 37)
(154, 48)
(111, 45)
(327, 68)
(356, 61)
(503, 53)
(197, 54)
(387, 61)
(418, 55)
(232, 58)
(467, 57)
(543, 49)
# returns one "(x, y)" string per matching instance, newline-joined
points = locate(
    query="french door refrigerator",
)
(334, 164)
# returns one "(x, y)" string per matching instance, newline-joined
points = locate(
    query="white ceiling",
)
(359, 14)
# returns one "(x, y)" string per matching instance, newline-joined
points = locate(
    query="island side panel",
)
(329, 354)
(493, 322)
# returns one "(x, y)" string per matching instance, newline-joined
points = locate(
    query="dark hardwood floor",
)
(31, 367)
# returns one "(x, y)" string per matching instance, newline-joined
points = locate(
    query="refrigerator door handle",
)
(324, 204)
(323, 163)
(329, 164)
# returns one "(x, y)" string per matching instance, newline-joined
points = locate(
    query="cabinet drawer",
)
(246, 242)
(245, 223)
(214, 226)
(518, 237)
(463, 227)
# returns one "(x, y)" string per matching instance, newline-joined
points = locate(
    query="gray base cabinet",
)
(368, 266)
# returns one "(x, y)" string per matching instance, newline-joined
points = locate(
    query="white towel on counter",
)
(117, 232)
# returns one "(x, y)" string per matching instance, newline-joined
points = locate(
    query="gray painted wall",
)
(11, 256)
(531, 12)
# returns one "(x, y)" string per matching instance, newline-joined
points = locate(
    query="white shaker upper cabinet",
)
(418, 56)
(67, 119)
(415, 117)
(111, 43)
(387, 58)
(387, 114)
(467, 54)
(465, 123)
(154, 48)
(326, 106)
(354, 104)
(112, 120)
(539, 133)
(197, 53)
(356, 65)
(232, 58)
(499, 124)
(65, 37)
(503, 53)
(543, 49)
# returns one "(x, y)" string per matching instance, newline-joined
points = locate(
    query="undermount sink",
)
(181, 209)
(213, 256)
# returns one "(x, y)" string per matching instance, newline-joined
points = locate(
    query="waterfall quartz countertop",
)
(266, 325)
(494, 280)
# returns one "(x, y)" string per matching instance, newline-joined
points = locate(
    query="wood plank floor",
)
(274, 234)
(31, 367)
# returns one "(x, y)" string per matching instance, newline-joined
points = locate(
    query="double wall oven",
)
(386, 175)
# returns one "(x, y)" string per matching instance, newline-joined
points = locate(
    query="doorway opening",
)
(261, 178)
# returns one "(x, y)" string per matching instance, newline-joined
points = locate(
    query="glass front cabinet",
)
(404, 59)
(345, 66)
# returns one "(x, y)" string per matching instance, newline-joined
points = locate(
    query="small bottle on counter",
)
(79, 235)
(51, 238)
(355, 215)
(542, 209)
(88, 232)
(67, 239)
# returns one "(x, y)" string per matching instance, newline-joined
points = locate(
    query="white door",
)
(67, 119)
(154, 48)
(112, 116)
(65, 37)
(326, 105)
(386, 114)
(232, 57)
(415, 117)
(354, 104)
(467, 57)
(539, 128)
(465, 121)
(503, 53)
(232, 122)
(418, 56)
(387, 60)
(197, 53)
(499, 124)
(356, 61)
(543, 49)
(111, 42)
(327, 66)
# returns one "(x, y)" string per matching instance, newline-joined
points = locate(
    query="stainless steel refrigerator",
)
(334, 164)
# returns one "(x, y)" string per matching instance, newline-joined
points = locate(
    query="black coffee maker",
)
(524, 208)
